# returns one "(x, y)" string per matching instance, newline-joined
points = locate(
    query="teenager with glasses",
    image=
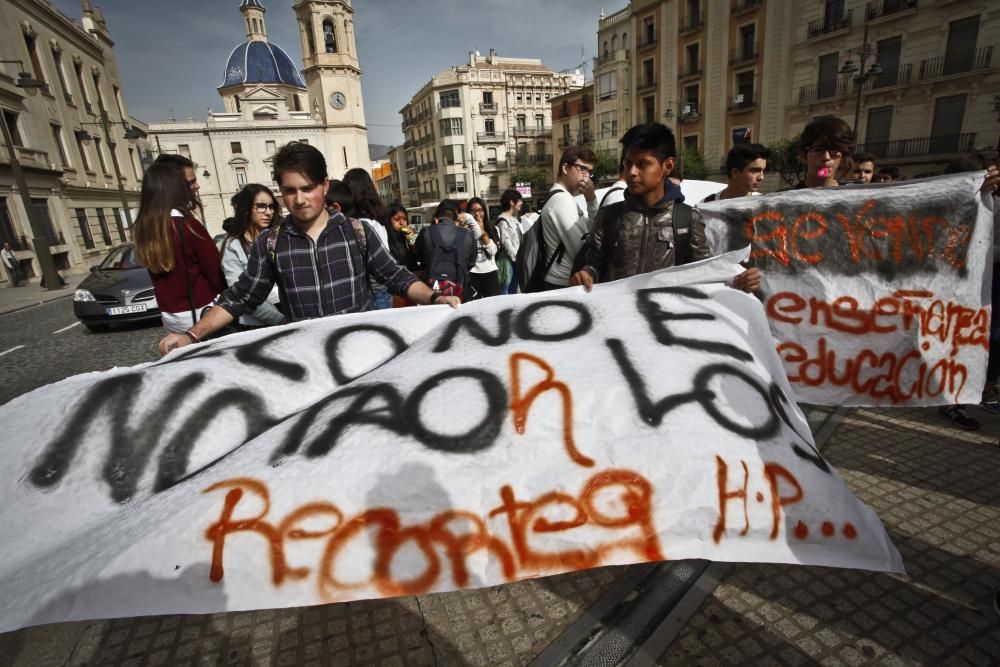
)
(564, 223)
(256, 208)
(822, 147)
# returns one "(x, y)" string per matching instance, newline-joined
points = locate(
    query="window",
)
(539, 121)
(61, 73)
(565, 108)
(538, 98)
(744, 88)
(449, 98)
(235, 147)
(454, 154)
(491, 156)
(271, 147)
(647, 72)
(11, 118)
(329, 38)
(100, 156)
(586, 103)
(878, 131)
(185, 150)
(608, 123)
(585, 133)
(649, 109)
(116, 214)
(103, 222)
(304, 141)
(522, 121)
(488, 97)
(614, 45)
(691, 143)
(748, 40)
(84, 158)
(490, 126)
(947, 125)
(118, 101)
(451, 127)
(693, 60)
(7, 234)
(454, 183)
(85, 233)
(36, 63)
(113, 148)
(241, 176)
(607, 85)
(41, 208)
(828, 67)
(60, 148)
(962, 38)
(135, 164)
(97, 91)
(691, 95)
(78, 70)
(888, 57)
(649, 28)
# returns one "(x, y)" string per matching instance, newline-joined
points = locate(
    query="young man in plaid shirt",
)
(319, 261)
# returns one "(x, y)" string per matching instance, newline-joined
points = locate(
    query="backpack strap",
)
(361, 238)
(606, 195)
(681, 219)
(272, 243)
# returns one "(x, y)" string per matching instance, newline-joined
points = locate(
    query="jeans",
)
(381, 299)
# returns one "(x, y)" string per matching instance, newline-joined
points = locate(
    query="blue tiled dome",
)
(261, 62)
(252, 3)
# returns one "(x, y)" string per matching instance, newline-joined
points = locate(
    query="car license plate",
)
(127, 310)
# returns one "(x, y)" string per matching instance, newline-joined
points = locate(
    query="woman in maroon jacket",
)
(175, 248)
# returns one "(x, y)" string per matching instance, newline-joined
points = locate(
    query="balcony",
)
(923, 147)
(490, 137)
(411, 164)
(829, 24)
(691, 24)
(692, 115)
(566, 141)
(489, 108)
(412, 185)
(534, 159)
(30, 157)
(647, 43)
(824, 90)
(532, 131)
(424, 140)
(408, 143)
(493, 191)
(882, 8)
(492, 165)
(747, 54)
(611, 57)
(888, 78)
(741, 7)
(689, 71)
(646, 85)
(742, 102)
(427, 166)
(429, 196)
(586, 137)
(962, 62)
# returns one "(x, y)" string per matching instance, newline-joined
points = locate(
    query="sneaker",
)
(991, 398)
(959, 417)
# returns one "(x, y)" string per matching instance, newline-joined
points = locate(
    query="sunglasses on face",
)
(261, 208)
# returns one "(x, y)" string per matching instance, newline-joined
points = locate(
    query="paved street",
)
(937, 490)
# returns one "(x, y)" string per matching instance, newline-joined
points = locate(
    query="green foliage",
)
(533, 175)
(606, 167)
(692, 164)
(785, 159)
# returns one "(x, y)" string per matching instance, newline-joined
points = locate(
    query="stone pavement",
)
(30, 294)
(937, 489)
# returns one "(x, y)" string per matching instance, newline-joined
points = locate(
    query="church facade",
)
(268, 102)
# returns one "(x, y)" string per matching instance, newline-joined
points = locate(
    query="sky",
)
(172, 53)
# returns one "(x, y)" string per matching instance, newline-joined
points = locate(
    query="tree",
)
(606, 166)
(533, 175)
(692, 164)
(785, 159)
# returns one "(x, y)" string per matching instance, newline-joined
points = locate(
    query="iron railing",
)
(829, 24)
(890, 77)
(739, 7)
(879, 8)
(490, 137)
(956, 63)
(923, 146)
(824, 90)
(692, 23)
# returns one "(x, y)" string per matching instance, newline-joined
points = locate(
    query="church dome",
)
(261, 62)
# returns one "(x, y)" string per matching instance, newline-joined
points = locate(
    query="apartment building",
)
(469, 129)
(69, 163)
(612, 81)
(920, 75)
(572, 122)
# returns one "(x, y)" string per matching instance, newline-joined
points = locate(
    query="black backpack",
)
(611, 221)
(450, 254)
(532, 263)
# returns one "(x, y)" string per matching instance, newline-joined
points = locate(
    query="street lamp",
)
(40, 241)
(131, 135)
(860, 75)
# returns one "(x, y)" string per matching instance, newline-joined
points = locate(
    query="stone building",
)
(612, 81)
(572, 122)
(469, 129)
(59, 140)
(267, 103)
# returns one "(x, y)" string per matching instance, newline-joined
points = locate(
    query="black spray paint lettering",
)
(335, 339)
(382, 404)
(657, 318)
(780, 401)
(258, 353)
(132, 439)
(523, 325)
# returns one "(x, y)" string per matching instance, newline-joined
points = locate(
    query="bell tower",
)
(333, 76)
(253, 20)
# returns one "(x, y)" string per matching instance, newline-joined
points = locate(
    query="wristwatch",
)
(434, 297)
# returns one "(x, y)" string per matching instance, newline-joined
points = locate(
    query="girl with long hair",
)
(367, 207)
(175, 248)
(256, 209)
(483, 277)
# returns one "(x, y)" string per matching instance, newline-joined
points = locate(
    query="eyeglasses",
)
(584, 168)
(819, 150)
(260, 208)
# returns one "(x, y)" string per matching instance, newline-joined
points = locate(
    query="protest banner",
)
(422, 449)
(876, 295)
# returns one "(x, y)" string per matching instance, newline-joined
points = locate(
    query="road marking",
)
(13, 349)
(66, 328)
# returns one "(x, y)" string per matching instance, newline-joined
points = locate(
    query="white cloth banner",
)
(422, 449)
(876, 295)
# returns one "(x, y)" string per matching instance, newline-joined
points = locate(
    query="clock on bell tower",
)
(333, 74)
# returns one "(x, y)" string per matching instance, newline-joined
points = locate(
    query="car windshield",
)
(122, 257)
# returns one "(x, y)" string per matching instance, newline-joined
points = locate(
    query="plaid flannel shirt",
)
(316, 278)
